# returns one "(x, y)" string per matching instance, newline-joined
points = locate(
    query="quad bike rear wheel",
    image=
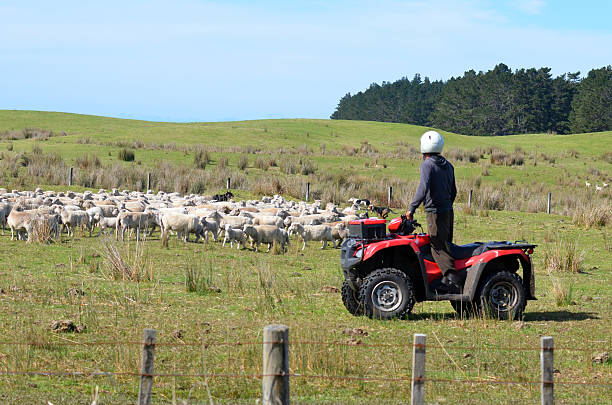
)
(502, 295)
(386, 294)
(350, 299)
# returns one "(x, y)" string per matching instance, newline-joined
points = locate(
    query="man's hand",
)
(409, 215)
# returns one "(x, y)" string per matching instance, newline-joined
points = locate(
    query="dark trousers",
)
(440, 228)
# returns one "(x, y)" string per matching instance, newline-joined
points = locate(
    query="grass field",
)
(241, 292)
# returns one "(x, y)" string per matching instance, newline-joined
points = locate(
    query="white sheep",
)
(183, 224)
(264, 234)
(587, 184)
(75, 218)
(105, 223)
(312, 232)
(598, 188)
(234, 235)
(21, 223)
(133, 220)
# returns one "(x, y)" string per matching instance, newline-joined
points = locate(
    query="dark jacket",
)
(437, 190)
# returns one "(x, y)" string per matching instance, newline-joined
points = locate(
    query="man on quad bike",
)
(437, 192)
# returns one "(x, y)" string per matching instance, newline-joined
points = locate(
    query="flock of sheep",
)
(271, 220)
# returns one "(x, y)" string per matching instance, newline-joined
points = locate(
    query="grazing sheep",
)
(234, 235)
(597, 188)
(133, 220)
(268, 220)
(312, 232)
(339, 232)
(209, 225)
(75, 218)
(21, 223)
(183, 224)
(105, 223)
(5, 210)
(264, 234)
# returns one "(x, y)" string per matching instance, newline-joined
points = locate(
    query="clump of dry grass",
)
(127, 263)
(200, 158)
(243, 162)
(562, 256)
(562, 293)
(42, 231)
(594, 215)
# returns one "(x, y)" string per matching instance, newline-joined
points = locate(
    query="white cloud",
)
(531, 7)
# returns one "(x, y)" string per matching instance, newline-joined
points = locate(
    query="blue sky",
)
(233, 60)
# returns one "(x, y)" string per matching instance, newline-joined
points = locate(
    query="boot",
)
(453, 282)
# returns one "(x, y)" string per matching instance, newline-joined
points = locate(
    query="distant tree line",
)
(498, 102)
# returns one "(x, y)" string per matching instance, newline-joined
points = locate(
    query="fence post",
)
(70, 176)
(148, 181)
(390, 196)
(417, 394)
(548, 203)
(229, 183)
(275, 380)
(546, 358)
(307, 192)
(146, 378)
(470, 198)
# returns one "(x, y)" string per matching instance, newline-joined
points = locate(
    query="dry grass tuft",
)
(594, 215)
(562, 293)
(562, 256)
(127, 263)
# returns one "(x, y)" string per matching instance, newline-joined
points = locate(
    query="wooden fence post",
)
(146, 378)
(390, 196)
(548, 203)
(307, 192)
(70, 176)
(470, 199)
(229, 183)
(275, 381)
(417, 394)
(546, 359)
(148, 181)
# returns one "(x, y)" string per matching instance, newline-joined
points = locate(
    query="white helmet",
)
(431, 142)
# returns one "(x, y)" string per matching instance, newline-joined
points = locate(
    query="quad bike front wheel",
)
(502, 295)
(386, 294)
(350, 299)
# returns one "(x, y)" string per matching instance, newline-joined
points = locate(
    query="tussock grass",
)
(127, 155)
(127, 263)
(561, 292)
(562, 256)
(593, 215)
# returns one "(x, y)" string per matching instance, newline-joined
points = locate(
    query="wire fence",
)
(276, 372)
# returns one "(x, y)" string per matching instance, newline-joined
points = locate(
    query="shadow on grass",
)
(552, 316)
(558, 316)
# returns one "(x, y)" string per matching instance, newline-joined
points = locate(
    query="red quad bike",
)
(385, 274)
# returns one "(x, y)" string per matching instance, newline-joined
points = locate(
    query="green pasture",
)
(242, 291)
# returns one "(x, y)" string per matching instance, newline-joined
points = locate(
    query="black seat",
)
(464, 251)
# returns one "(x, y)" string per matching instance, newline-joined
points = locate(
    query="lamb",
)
(133, 220)
(234, 235)
(264, 234)
(587, 184)
(106, 222)
(598, 188)
(209, 225)
(339, 232)
(312, 232)
(72, 219)
(183, 224)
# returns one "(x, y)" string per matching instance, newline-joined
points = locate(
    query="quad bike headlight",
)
(359, 254)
